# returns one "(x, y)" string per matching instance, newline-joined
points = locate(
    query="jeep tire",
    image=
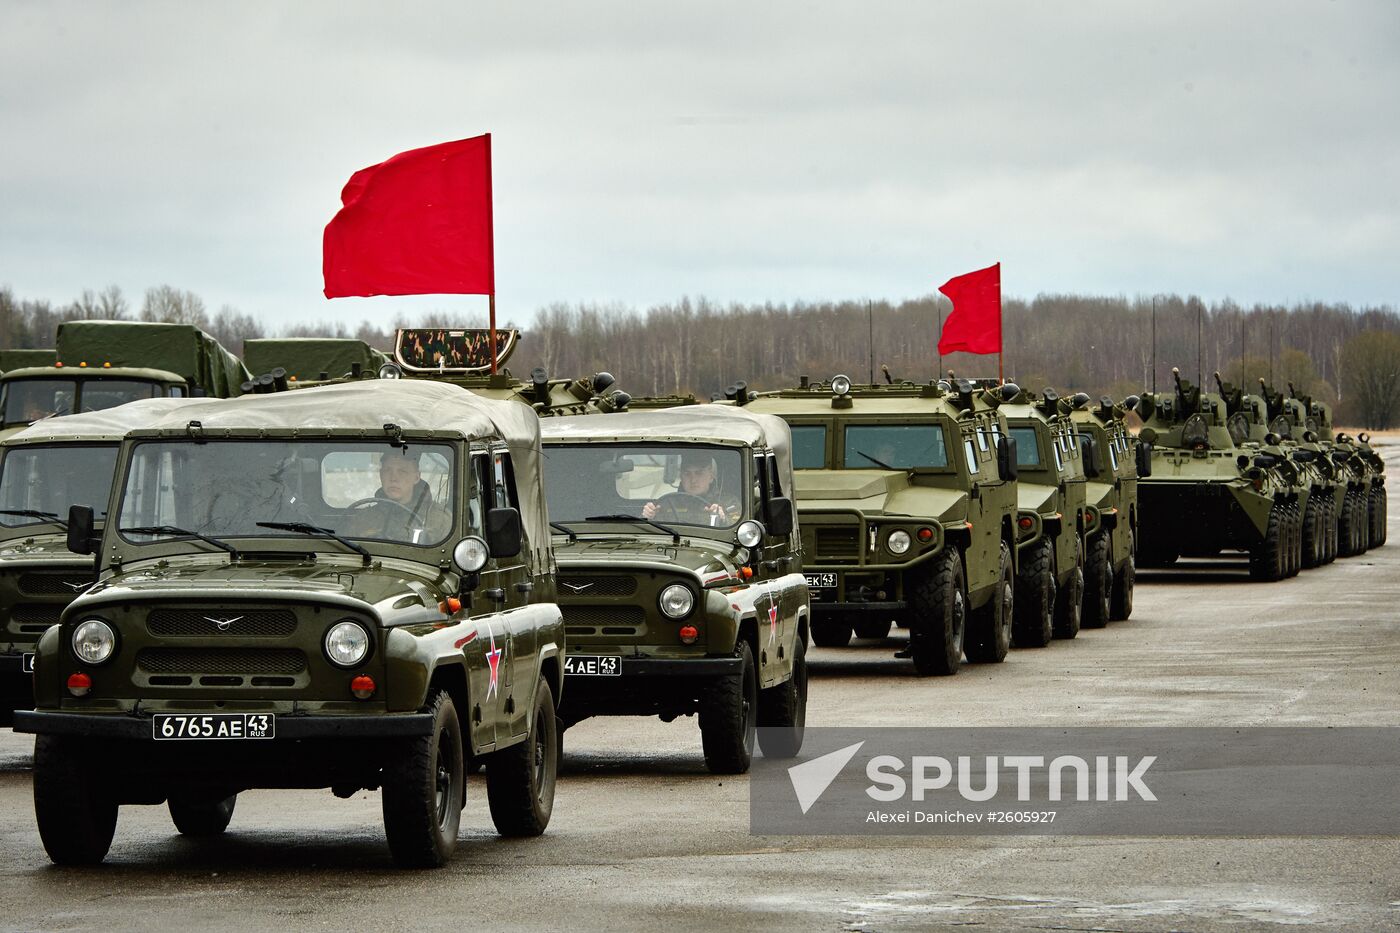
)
(782, 710)
(833, 631)
(729, 717)
(520, 780)
(201, 816)
(989, 631)
(76, 817)
(937, 614)
(424, 790)
(874, 628)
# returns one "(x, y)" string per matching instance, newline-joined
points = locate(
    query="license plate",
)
(170, 726)
(821, 581)
(26, 663)
(593, 665)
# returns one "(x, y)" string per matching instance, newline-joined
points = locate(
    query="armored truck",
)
(304, 359)
(347, 588)
(680, 574)
(906, 494)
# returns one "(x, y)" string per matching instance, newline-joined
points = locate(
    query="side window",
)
(502, 482)
(481, 485)
(982, 437)
(972, 466)
(775, 480)
(1059, 459)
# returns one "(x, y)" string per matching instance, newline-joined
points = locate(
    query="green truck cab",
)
(907, 498)
(1122, 462)
(23, 358)
(348, 587)
(1054, 519)
(680, 574)
(102, 364)
(312, 359)
(44, 470)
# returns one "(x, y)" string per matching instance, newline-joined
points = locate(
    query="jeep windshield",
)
(678, 484)
(234, 489)
(47, 480)
(894, 447)
(28, 400)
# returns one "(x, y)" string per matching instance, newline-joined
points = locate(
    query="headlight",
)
(347, 643)
(898, 542)
(677, 601)
(841, 385)
(749, 534)
(390, 371)
(94, 641)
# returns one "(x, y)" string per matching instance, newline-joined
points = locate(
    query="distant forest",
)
(1073, 342)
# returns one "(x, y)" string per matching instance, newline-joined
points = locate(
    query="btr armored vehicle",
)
(1113, 493)
(1054, 518)
(1211, 490)
(101, 364)
(1281, 421)
(45, 469)
(304, 359)
(907, 498)
(680, 574)
(350, 587)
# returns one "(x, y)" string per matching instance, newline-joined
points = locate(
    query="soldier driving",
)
(698, 495)
(402, 508)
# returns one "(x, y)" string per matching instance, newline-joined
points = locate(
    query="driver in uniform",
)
(406, 510)
(699, 480)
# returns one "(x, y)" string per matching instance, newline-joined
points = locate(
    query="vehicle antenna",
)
(870, 338)
(1154, 344)
(1271, 345)
(938, 334)
(1200, 305)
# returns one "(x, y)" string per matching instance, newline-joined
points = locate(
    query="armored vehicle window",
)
(685, 484)
(1059, 459)
(894, 446)
(50, 479)
(101, 394)
(28, 400)
(224, 488)
(971, 456)
(982, 437)
(1027, 447)
(808, 446)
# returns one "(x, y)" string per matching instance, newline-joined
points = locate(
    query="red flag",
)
(975, 324)
(417, 224)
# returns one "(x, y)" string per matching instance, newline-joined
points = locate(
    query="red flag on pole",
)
(975, 324)
(417, 224)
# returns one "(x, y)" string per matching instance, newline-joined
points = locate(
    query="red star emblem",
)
(493, 658)
(773, 620)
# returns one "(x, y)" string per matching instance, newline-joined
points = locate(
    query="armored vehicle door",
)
(984, 551)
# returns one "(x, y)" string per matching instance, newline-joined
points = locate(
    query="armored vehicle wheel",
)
(871, 628)
(76, 818)
(520, 779)
(729, 718)
(831, 632)
(1069, 602)
(1378, 516)
(1294, 553)
(938, 614)
(1121, 605)
(1313, 553)
(989, 634)
(201, 816)
(782, 711)
(1363, 521)
(1035, 597)
(1266, 557)
(424, 791)
(1346, 526)
(1098, 582)
(1331, 535)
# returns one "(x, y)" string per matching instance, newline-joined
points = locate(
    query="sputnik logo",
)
(493, 658)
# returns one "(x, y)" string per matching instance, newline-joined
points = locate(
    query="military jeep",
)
(348, 587)
(680, 575)
(907, 497)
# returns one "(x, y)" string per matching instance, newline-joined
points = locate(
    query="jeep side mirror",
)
(1006, 457)
(503, 532)
(1091, 457)
(81, 539)
(777, 516)
(1144, 459)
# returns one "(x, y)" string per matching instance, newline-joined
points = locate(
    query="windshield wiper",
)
(307, 529)
(51, 517)
(172, 531)
(636, 519)
(560, 526)
(879, 463)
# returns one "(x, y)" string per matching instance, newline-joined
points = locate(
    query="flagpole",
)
(493, 332)
(491, 228)
(1001, 342)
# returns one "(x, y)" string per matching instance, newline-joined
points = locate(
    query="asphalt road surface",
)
(642, 836)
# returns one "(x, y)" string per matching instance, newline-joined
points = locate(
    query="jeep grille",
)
(590, 586)
(605, 620)
(53, 584)
(221, 661)
(203, 623)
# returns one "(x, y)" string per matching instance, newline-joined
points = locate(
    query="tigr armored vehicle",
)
(44, 470)
(304, 359)
(348, 588)
(1122, 461)
(680, 574)
(1211, 489)
(907, 499)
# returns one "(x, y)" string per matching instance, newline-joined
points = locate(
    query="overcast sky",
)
(748, 151)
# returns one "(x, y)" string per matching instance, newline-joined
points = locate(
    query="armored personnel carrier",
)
(906, 495)
(1361, 501)
(1282, 421)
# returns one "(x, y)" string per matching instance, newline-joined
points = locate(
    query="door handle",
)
(524, 587)
(496, 593)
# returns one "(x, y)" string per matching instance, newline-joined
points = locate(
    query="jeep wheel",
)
(1121, 605)
(729, 718)
(424, 791)
(989, 635)
(1035, 596)
(873, 629)
(76, 818)
(1098, 582)
(200, 816)
(520, 780)
(782, 711)
(1266, 557)
(938, 614)
(831, 632)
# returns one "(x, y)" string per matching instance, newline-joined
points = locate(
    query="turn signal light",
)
(79, 684)
(82, 364)
(925, 534)
(688, 634)
(59, 365)
(746, 572)
(106, 365)
(1025, 523)
(362, 687)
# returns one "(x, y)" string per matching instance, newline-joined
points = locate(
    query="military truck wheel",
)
(1266, 556)
(1098, 582)
(871, 628)
(1035, 597)
(1378, 516)
(424, 790)
(831, 632)
(76, 818)
(1069, 604)
(1121, 605)
(729, 718)
(201, 816)
(989, 634)
(938, 614)
(1312, 532)
(782, 711)
(520, 779)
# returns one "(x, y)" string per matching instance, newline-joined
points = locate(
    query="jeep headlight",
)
(676, 601)
(898, 542)
(94, 641)
(347, 643)
(749, 534)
